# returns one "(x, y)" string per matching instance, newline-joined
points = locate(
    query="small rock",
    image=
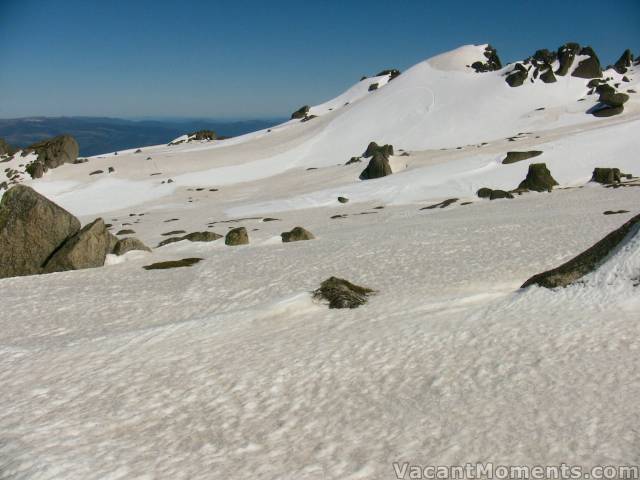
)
(343, 199)
(185, 262)
(297, 234)
(237, 236)
(513, 157)
(341, 293)
(126, 231)
(128, 244)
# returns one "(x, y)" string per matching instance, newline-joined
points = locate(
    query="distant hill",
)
(98, 135)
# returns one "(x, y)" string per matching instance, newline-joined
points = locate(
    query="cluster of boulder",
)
(611, 101)
(379, 165)
(341, 293)
(198, 135)
(608, 176)
(491, 64)
(540, 65)
(538, 179)
(38, 236)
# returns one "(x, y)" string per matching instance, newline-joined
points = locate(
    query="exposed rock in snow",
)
(185, 262)
(513, 157)
(128, 244)
(606, 176)
(493, 61)
(588, 67)
(31, 229)
(538, 179)
(589, 260)
(341, 293)
(624, 62)
(237, 236)
(301, 112)
(296, 235)
(378, 167)
(86, 249)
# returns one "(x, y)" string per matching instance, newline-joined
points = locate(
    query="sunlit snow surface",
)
(228, 369)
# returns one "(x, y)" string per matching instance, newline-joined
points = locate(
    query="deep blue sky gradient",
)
(240, 59)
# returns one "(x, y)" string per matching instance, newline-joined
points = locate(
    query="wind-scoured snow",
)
(229, 368)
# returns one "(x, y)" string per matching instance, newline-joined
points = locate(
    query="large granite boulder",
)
(378, 167)
(588, 67)
(586, 262)
(517, 76)
(55, 151)
(296, 235)
(31, 229)
(609, 96)
(86, 249)
(373, 147)
(545, 56)
(538, 179)
(624, 62)
(566, 54)
(547, 76)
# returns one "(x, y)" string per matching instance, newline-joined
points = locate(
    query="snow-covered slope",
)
(229, 369)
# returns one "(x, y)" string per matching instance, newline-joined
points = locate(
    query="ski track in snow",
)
(229, 369)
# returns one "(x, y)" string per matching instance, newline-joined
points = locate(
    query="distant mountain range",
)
(98, 135)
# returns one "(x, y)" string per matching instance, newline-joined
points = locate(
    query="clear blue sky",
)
(239, 59)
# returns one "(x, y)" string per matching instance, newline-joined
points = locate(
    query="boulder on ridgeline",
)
(296, 235)
(588, 67)
(606, 176)
(55, 151)
(203, 135)
(392, 72)
(513, 157)
(31, 229)
(493, 61)
(538, 179)
(517, 76)
(128, 244)
(545, 56)
(341, 293)
(86, 249)
(301, 112)
(237, 236)
(586, 262)
(624, 62)
(378, 167)
(373, 147)
(566, 54)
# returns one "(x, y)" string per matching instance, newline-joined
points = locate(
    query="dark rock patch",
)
(341, 293)
(605, 111)
(517, 76)
(343, 199)
(513, 157)
(372, 87)
(373, 147)
(588, 67)
(126, 231)
(392, 72)
(378, 167)
(547, 76)
(96, 172)
(624, 62)
(269, 219)
(491, 64)
(615, 212)
(566, 54)
(173, 232)
(353, 160)
(606, 176)
(185, 262)
(586, 262)
(442, 204)
(55, 151)
(297, 234)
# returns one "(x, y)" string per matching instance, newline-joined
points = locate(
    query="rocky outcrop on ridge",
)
(51, 153)
(491, 64)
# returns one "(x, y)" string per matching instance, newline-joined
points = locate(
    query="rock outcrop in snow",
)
(587, 261)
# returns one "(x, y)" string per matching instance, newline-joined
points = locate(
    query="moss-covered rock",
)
(297, 234)
(585, 262)
(538, 179)
(341, 293)
(513, 157)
